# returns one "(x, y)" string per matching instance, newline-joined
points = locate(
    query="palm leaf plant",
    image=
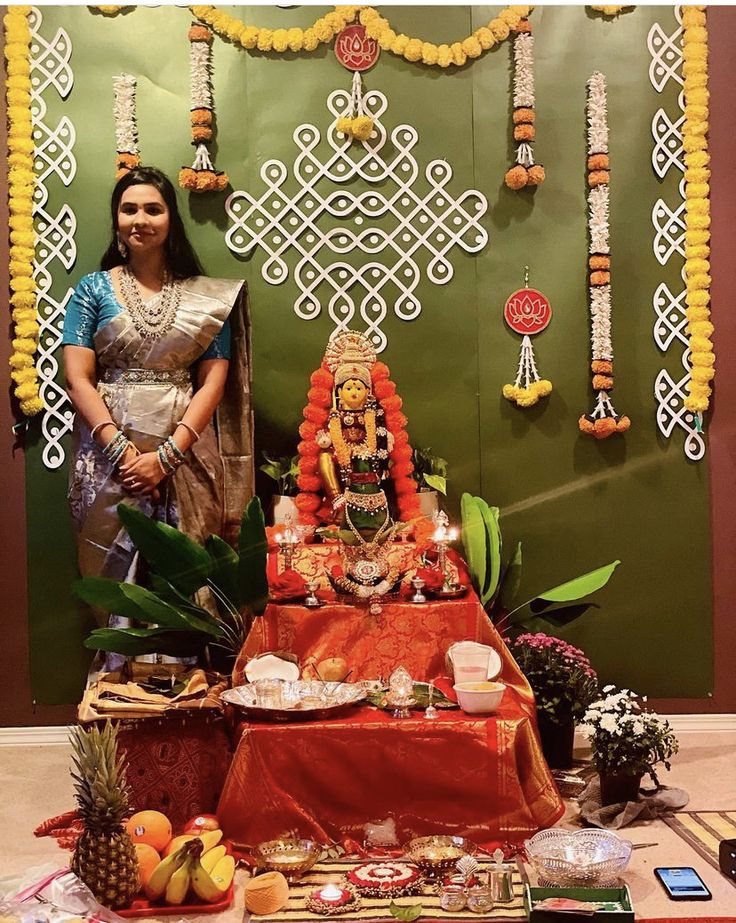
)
(175, 621)
(497, 581)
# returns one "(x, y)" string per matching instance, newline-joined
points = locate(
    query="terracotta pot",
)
(619, 787)
(557, 740)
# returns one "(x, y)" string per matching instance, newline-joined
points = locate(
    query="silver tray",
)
(300, 700)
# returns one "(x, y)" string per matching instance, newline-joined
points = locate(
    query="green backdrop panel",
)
(574, 502)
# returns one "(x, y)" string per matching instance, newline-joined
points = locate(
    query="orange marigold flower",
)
(523, 26)
(320, 396)
(401, 469)
(396, 421)
(384, 389)
(604, 428)
(199, 34)
(201, 116)
(524, 132)
(402, 453)
(602, 382)
(599, 262)
(516, 177)
(601, 367)
(201, 133)
(598, 177)
(392, 403)
(380, 371)
(308, 430)
(400, 438)
(127, 160)
(535, 174)
(307, 448)
(600, 278)
(523, 115)
(585, 425)
(623, 424)
(308, 503)
(308, 464)
(598, 162)
(322, 378)
(405, 485)
(309, 482)
(315, 414)
(409, 508)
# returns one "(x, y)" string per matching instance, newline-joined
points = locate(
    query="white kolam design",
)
(668, 243)
(320, 218)
(54, 226)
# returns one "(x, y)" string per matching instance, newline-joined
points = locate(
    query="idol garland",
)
(128, 154)
(525, 172)
(201, 176)
(603, 421)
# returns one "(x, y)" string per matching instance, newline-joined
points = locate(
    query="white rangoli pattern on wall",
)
(341, 260)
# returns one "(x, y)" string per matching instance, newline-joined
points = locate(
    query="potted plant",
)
(284, 470)
(627, 743)
(564, 685)
(430, 473)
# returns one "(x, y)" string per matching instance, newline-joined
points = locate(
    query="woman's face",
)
(353, 394)
(143, 219)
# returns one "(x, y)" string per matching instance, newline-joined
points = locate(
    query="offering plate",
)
(298, 700)
(585, 858)
(436, 854)
(292, 857)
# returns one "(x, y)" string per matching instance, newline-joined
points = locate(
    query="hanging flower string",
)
(201, 176)
(21, 186)
(356, 125)
(527, 312)
(525, 172)
(603, 421)
(697, 208)
(313, 510)
(126, 129)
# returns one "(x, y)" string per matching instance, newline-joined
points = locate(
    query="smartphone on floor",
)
(682, 883)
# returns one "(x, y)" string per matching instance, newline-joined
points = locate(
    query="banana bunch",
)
(200, 864)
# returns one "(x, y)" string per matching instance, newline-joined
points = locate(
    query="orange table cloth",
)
(481, 777)
(416, 636)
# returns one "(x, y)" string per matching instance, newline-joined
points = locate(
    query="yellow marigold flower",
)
(369, 15)
(26, 390)
(697, 313)
(21, 145)
(20, 268)
(697, 159)
(429, 53)
(345, 125)
(472, 47)
(400, 44)
(311, 42)
(201, 11)
(362, 127)
(695, 51)
(698, 222)
(697, 175)
(249, 37)
(698, 280)
(697, 252)
(543, 387)
(700, 344)
(509, 392)
(21, 222)
(693, 142)
(30, 328)
(692, 16)
(23, 238)
(704, 359)
(701, 328)
(265, 40)
(499, 29)
(521, 11)
(386, 39)
(702, 375)
(698, 97)
(485, 37)
(697, 206)
(22, 284)
(696, 191)
(295, 39)
(31, 407)
(322, 30)
(697, 404)
(19, 83)
(695, 112)
(280, 40)
(22, 254)
(511, 18)
(19, 67)
(458, 55)
(24, 346)
(413, 50)
(696, 77)
(18, 97)
(20, 361)
(444, 55)
(696, 266)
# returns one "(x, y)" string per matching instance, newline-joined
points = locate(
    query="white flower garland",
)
(597, 115)
(525, 172)
(200, 70)
(524, 70)
(126, 127)
(598, 227)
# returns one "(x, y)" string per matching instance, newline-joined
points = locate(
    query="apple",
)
(333, 669)
(202, 823)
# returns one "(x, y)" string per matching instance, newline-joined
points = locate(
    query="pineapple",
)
(105, 857)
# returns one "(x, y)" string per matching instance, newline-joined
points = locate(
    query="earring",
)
(122, 249)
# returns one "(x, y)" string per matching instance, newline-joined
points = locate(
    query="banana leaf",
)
(223, 573)
(171, 553)
(169, 594)
(511, 580)
(490, 516)
(252, 550)
(474, 541)
(580, 586)
(133, 642)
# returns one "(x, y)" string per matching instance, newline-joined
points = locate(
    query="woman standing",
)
(152, 349)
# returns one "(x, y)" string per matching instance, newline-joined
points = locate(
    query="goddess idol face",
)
(143, 219)
(352, 394)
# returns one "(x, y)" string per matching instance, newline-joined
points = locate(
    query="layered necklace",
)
(155, 317)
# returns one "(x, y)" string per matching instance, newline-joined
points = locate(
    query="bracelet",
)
(100, 426)
(170, 456)
(163, 461)
(191, 429)
(116, 448)
(175, 448)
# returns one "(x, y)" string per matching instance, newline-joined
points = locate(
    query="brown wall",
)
(16, 705)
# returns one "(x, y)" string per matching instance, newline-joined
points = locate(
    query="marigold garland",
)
(697, 208)
(525, 172)
(312, 509)
(21, 185)
(603, 421)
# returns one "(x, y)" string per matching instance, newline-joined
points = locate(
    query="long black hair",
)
(181, 260)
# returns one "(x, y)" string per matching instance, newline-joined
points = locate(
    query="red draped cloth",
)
(482, 777)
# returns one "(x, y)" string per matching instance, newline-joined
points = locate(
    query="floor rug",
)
(378, 909)
(704, 830)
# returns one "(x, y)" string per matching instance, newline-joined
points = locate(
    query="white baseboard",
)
(59, 736)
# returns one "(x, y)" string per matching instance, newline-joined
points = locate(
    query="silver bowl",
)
(578, 857)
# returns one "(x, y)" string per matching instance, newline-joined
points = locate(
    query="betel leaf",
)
(580, 586)
(171, 553)
(474, 540)
(511, 580)
(133, 642)
(412, 912)
(252, 550)
(436, 482)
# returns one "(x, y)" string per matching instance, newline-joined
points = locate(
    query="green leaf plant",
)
(430, 470)
(182, 573)
(284, 469)
(497, 583)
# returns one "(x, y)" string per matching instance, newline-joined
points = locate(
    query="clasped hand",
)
(142, 473)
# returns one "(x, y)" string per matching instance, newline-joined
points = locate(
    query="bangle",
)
(191, 429)
(101, 426)
(175, 448)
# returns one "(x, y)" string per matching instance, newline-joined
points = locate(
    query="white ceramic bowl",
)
(479, 698)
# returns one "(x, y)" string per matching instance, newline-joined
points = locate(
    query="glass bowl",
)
(291, 857)
(578, 857)
(437, 854)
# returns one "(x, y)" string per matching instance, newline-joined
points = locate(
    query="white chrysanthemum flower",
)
(610, 723)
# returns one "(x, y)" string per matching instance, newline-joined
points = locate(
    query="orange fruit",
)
(148, 859)
(177, 843)
(150, 827)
